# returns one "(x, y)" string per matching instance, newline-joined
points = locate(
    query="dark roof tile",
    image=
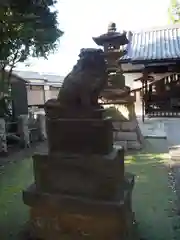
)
(40, 78)
(154, 44)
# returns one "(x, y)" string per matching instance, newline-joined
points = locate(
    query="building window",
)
(35, 87)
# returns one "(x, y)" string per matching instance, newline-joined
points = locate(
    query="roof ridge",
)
(157, 28)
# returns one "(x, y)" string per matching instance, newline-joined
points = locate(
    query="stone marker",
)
(3, 141)
(23, 130)
(80, 189)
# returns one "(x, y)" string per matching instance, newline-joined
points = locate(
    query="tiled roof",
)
(155, 44)
(53, 78)
(29, 75)
(40, 78)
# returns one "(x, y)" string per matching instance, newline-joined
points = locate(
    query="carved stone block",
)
(54, 216)
(80, 135)
(94, 176)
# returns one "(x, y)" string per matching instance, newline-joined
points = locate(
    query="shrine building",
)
(152, 69)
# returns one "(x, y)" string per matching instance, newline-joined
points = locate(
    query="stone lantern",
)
(114, 43)
(115, 46)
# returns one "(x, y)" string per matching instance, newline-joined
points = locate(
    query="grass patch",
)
(153, 198)
(14, 178)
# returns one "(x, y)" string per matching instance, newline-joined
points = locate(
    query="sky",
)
(83, 19)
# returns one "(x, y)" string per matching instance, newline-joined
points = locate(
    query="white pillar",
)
(47, 93)
(41, 122)
(23, 130)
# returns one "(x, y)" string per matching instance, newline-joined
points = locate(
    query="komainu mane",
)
(84, 83)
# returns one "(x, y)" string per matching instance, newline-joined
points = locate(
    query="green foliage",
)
(28, 28)
(174, 11)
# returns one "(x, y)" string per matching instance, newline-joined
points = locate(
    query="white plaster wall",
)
(35, 97)
(130, 77)
(54, 93)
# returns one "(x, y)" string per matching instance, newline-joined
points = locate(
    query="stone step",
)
(174, 152)
(128, 126)
(126, 136)
(134, 145)
(122, 144)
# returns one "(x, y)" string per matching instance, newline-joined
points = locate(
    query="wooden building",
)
(40, 87)
(31, 89)
(17, 86)
(153, 60)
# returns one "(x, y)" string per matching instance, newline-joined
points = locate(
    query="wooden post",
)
(41, 121)
(143, 99)
(144, 92)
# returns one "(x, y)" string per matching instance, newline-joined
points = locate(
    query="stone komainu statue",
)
(82, 86)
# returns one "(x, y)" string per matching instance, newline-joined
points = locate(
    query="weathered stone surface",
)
(134, 145)
(82, 86)
(126, 136)
(81, 190)
(129, 126)
(122, 143)
(55, 215)
(54, 110)
(41, 121)
(95, 176)
(116, 125)
(23, 130)
(80, 135)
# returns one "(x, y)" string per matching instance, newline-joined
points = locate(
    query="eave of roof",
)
(35, 78)
(154, 45)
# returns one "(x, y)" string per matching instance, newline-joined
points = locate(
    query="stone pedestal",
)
(127, 132)
(41, 122)
(54, 216)
(80, 135)
(23, 130)
(80, 189)
(95, 176)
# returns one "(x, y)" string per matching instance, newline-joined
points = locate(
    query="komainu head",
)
(88, 77)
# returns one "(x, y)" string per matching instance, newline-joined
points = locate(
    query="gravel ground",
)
(172, 127)
(16, 153)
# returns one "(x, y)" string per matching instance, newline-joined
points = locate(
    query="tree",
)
(27, 28)
(174, 11)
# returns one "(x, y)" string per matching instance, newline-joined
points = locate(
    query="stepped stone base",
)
(80, 135)
(134, 145)
(128, 134)
(128, 126)
(122, 144)
(53, 216)
(95, 175)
